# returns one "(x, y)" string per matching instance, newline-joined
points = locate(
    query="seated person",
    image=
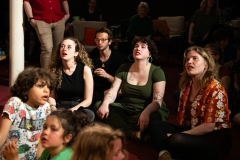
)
(140, 24)
(223, 73)
(221, 38)
(93, 13)
(106, 60)
(72, 69)
(142, 85)
(203, 114)
(202, 21)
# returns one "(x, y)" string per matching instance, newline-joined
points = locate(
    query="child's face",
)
(117, 151)
(38, 94)
(52, 134)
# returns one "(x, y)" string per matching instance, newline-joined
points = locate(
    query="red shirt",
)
(47, 10)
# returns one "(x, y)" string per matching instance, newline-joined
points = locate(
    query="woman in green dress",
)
(142, 87)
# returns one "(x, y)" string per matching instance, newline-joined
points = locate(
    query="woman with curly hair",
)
(73, 71)
(203, 115)
(142, 85)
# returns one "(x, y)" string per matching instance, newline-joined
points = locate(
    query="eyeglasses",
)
(100, 40)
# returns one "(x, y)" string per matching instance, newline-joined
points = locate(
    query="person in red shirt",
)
(48, 18)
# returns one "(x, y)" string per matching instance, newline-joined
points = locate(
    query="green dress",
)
(124, 114)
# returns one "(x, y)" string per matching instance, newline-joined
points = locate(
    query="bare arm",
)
(28, 9)
(5, 125)
(158, 93)
(100, 17)
(88, 89)
(109, 98)
(201, 129)
(190, 33)
(66, 9)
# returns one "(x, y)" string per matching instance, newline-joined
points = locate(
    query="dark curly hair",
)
(27, 79)
(151, 45)
(72, 122)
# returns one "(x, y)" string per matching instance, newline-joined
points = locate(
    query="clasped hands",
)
(101, 72)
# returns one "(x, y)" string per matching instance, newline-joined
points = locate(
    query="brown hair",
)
(105, 30)
(56, 63)
(203, 7)
(29, 77)
(208, 73)
(95, 142)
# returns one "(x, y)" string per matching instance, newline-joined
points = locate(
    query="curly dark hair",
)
(27, 79)
(151, 45)
(72, 122)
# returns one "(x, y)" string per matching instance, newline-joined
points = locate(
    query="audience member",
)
(100, 142)
(223, 73)
(221, 38)
(72, 69)
(202, 22)
(227, 14)
(25, 112)
(58, 135)
(48, 18)
(106, 60)
(235, 93)
(140, 24)
(142, 85)
(203, 114)
(92, 13)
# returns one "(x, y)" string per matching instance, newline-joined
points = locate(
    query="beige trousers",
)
(50, 36)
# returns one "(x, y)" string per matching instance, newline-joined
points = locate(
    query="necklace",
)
(103, 65)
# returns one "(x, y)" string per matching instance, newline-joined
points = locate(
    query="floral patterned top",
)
(210, 105)
(26, 127)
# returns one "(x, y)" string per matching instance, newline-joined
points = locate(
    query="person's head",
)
(142, 9)
(103, 38)
(33, 86)
(61, 128)
(213, 4)
(198, 64)
(92, 4)
(215, 51)
(70, 50)
(221, 37)
(143, 48)
(99, 142)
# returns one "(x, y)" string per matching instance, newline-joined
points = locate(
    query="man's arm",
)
(66, 9)
(28, 9)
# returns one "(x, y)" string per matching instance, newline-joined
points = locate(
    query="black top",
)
(91, 16)
(72, 87)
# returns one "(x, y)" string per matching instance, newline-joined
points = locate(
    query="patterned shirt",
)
(26, 127)
(210, 105)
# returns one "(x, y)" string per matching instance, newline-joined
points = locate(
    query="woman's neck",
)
(68, 65)
(141, 65)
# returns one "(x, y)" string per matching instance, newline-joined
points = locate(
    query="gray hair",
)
(143, 5)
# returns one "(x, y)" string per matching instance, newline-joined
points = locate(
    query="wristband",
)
(52, 105)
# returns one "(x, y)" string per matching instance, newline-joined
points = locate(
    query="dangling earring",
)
(150, 59)
(129, 57)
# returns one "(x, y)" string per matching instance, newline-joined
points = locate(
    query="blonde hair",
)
(56, 62)
(95, 142)
(208, 73)
(203, 7)
(143, 5)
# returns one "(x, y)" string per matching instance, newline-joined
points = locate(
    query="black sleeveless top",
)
(72, 87)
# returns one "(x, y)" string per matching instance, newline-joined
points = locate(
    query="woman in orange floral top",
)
(203, 114)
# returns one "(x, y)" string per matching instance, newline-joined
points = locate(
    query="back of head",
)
(72, 122)
(95, 142)
(143, 5)
(28, 78)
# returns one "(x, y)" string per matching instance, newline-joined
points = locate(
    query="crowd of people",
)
(83, 106)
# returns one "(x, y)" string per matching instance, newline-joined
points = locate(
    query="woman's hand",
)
(11, 151)
(143, 120)
(103, 111)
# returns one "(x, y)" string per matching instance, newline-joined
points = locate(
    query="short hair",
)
(28, 78)
(217, 50)
(72, 122)
(143, 5)
(105, 30)
(151, 45)
(220, 34)
(95, 142)
(208, 73)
